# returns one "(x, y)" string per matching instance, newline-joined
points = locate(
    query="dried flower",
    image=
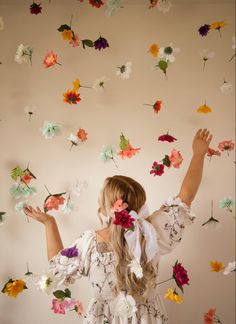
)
(218, 25)
(124, 219)
(99, 83)
(212, 152)
(180, 275)
(216, 266)
(47, 282)
(13, 287)
(156, 106)
(118, 206)
(100, 43)
(107, 154)
(167, 138)
(203, 30)
(176, 158)
(210, 317)
(35, 8)
(127, 150)
(82, 135)
(70, 252)
(124, 70)
(53, 202)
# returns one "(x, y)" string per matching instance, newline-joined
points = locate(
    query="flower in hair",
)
(124, 219)
(118, 206)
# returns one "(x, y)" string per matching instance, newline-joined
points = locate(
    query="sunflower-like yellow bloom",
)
(216, 266)
(173, 296)
(218, 24)
(76, 85)
(204, 109)
(14, 287)
(154, 50)
(67, 34)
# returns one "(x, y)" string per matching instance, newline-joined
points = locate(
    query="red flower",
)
(124, 219)
(157, 106)
(157, 169)
(180, 275)
(35, 8)
(212, 152)
(210, 316)
(226, 146)
(96, 3)
(167, 138)
(71, 97)
(53, 202)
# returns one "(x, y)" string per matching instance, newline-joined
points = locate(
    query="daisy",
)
(23, 54)
(99, 83)
(124, 70)
(205, 55)
(167, 53)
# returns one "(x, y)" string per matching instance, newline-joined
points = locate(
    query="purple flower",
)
(100, 43)
(203, 30)
(70, 252)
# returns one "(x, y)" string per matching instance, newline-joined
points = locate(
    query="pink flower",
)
(212, 152)
(180, 275)
(53, 202)
(157, 169)
(175, 158)
(79, 307)
(75, 40)
(119, 206)
(226, 146)
(58, 307)
(124, 219)
(50, 59)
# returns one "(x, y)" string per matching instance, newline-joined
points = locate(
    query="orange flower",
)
(13, 287)
(204, 109)
(82, 135)
(209, 316)
(71, 97)
(218, 25)
(128, 152)
(154, 49)
(50, 59)
(216, 266)
(67, 34)
(157, 106)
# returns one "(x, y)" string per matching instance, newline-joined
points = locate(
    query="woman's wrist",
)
(50, 220)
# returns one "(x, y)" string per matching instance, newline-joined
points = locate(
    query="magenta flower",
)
(167, 138)
(35, 8)
(70, 252)
(100, 43)
(157, 169)
(203, 30)
(124, 219)
(180, 275)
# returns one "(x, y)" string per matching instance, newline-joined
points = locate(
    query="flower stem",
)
(48, 190)
(164, 281)
(114, 162)
(85, 87)
(232, 57)
(58, 63)
(71, 20)
(148, 105)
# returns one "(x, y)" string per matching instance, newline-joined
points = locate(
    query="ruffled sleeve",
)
(67, 269)
(170, 221)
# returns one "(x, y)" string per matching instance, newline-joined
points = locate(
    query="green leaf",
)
(87, 42)
(166, 161)
(163, 65)
(68, 293)
(63, 27)
(123, 142)
(59, 294)
(16, 172)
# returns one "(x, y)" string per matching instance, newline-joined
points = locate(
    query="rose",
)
(180, 275)
(124, 219)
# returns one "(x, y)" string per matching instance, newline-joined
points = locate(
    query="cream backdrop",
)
(104, 115)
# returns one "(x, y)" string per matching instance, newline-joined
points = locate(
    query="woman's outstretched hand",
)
(201, 142)
(37, 214)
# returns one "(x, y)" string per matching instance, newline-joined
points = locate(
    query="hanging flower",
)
(30, 110)
(68, 206)
(167, 138)
(74, 140)
(96, 3)
(205, 55)
(154, 49)
(153, 4)
(75, 40)
(19, 207)
(50, 129)
(71, 97)
(231, 267)
(216, 266)
(233, 47)
(218, 25)
(1, 23)
(13, 287)
(127, 150)
(203, 30)
(70, 252)
(50, 59)
(82, 135)
(99, 83)
(124, 70)
(124, 219)
(100, 43)
(23, 54)
(35, 8)
(173, 296)
(78, 307)
(226, 146)
(165, 57)
(204, 109)
(78, 188)
(176, 158)
(135, 267)
(107, 154)
(47, 282)
(227, 204)
(17, 191)
(53, 202)
(118, 206)
(124, 306)
(226, 87)
(113, 6)
(2, 217)
(180, 275)
(212, 222)
(212, 152)
(164, 6)
(156, 106)
(157, 169)
(68, 34)
(210, 317)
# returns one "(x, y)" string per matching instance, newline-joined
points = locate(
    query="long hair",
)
(131, 192)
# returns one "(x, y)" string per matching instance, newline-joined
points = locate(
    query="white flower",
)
(30, 110)
(23, 54)
(20, 205)
(1, 23)
(166, 53)
(124, 305)
(164, 5)
(124, 71)
(226, 87)
(99, 83)
(73, 139)
(233, 43)
(112, 6)
(78, 188)
(50, 129)
(205, 55)
(136, 268)
(47, 283)
(2, 218)
(230, 268)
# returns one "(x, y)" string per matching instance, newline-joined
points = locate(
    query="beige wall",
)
(105, 115)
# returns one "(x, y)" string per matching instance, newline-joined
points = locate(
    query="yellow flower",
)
(204, 109)
(76, 84)
(218, 24)
(216, 266)
(173, 296)
(14, 287)
(154, 49)
(67, 34)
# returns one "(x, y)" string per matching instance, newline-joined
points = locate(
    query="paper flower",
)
(113, 6)
(2, 217)
(100, 43)
(226, 87)
(233, 47)
(173, 296)
(96, 3)
(24, 54)
(99, 83)
(226, 146)
(227, 203)
(30, 110)
(124, 70)
(157, 169)
(127, 150)
(47, 282)
(164, 6)
(136, 268)
(231, 267)
(205, 55)
(1, 23)
(124, 219)
(212, 223)
(50, 59)
(19, 207)
(71, 97)
(124, 306)
(156, 106)
(70, 252)
(204, 109)
(107, 154)
(203, 30)
(218, 25)
(35, 8)
(210, 317)
(13, 287)
(50, 129)
(212, 152)
(118, 206)
(154, 49)
(216, 266)
(167, 138)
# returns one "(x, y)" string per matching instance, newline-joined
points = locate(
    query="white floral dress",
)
(96, 262)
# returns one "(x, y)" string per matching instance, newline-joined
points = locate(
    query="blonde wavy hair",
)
(131, 192)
